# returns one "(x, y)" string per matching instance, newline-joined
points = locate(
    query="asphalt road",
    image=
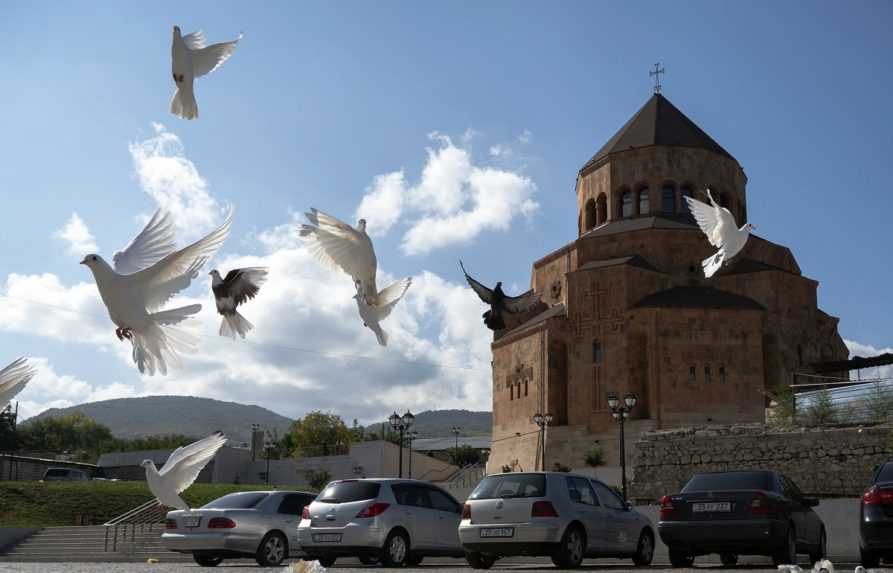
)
(430, 566)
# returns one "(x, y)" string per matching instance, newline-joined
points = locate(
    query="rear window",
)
(348, 491)
(244, 500)
(886, 473)
(730, 480)
(510, 485)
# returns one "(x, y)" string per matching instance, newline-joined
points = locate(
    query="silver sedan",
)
(560, 515)
(259, 524)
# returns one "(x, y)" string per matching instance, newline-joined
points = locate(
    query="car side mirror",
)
(810, 501)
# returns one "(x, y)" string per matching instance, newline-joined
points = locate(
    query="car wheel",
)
(645, 549)
(272, 551)
(728, 559)
(869, 559)
(207, 560)
(680, 558)
(787, 555)
(479, 560)
(414, 559)
(571, 549)
(367, 560)
(327, 560)
(821, 550)
(395, 552)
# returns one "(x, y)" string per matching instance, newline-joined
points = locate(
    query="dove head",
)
(361, 225)
(177, 32)
(96, 263)
(215, 276)
(147, 464)
(748, 227)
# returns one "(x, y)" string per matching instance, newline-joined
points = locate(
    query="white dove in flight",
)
(13, 379)
(339, 246)
(373, 314)
(181, 469)
(719, 225)
(191, 59)
(147, 273)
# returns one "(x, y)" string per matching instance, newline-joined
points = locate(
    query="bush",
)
(506, 469)
(464, 456)
(594, 457)
(318, 479)
(821, 411)
(782, 404)
(559, 467)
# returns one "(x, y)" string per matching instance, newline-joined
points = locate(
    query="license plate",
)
(327, 538)
(191, 521)
(711, 507)
(498, 532)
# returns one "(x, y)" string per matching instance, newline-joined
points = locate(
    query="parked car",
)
(741, 513)
(65, 474)
(259, 524)
(564, 516)
(394, 522)
(876, 518)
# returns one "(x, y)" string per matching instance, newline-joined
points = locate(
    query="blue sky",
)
(323, 97)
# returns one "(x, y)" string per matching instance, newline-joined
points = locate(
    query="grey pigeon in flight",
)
(238, 286)
(147, 273)
(718, 224)
(500, 302)
(190, 59)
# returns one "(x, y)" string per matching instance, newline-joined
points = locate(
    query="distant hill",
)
(187, 415)
(438, 423)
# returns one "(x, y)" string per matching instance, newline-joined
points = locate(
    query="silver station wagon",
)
(392, 521)
(564, 516)
(259, 524)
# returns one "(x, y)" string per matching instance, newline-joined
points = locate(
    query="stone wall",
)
(825, 462)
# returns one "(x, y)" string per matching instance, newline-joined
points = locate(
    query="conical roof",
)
(658, 122)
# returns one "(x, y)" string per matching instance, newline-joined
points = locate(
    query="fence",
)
(833, 401)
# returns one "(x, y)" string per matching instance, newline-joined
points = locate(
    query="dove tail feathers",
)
(382, 336)
(233, 324)
(183, 104)
(713, 263)
(159, 344)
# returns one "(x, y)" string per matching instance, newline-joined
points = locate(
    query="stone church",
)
(626, 307)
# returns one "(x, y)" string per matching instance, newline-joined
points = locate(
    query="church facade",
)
(626, 307)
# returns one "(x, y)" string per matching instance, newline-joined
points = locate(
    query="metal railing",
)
(467, 476)
(144, 517)
(836, 402)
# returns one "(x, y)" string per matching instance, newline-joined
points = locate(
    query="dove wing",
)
(186, 462)
(175, 271)
(708, 219)
(521, 303)
(13, 379)
(483, 292)
(244, 284)
(153, 243)
(206, 60)
(194, 40)
(389, 297)
(339, 246)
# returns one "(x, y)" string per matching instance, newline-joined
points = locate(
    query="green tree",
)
(594, 457)
(782, 404)
(464, 456)
(318, 478)
(319, 434)
(75, 433)
(821, 411)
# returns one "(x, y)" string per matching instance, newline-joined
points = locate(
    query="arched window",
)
(626, 204)
(668, 198)
(684, 192)
(644, 201)
(601, 208)
(590, 214)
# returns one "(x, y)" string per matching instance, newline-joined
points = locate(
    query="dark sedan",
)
(876, 518)
(741, 513)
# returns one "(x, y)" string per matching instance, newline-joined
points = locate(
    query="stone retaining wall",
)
(826, 462)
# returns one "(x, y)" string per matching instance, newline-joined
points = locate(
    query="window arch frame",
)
(590, 215)
(643, 191)
(668, 186)
(601, 209)
(626, 198)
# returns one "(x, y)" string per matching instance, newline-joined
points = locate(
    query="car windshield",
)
(243, 500)
(886, 473)
(510, 485)
(348, 491)
(729, 481)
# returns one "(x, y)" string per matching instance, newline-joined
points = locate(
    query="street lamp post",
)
(401, 424)
(268, 447)
(620, 412)
(456, 431)
(410, 437)
(543, 421)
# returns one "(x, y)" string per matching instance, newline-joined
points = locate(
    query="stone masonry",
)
(825, 462)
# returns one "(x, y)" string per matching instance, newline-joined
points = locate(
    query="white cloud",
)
(382, 204)
(77, 235)
(454, 200)
(867, 350)
(173, 181)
